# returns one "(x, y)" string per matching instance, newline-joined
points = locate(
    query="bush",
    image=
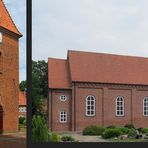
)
(21, 120)
(111, 126)
(132, 133)
(24, 122)
(129, 126)
(109, 133)
(144, 130)
(54, 137)
(140, 129)
(67, 138)
(124, 130)
(39, 129)
(93, 130)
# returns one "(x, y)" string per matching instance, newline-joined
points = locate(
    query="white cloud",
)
(111, 26)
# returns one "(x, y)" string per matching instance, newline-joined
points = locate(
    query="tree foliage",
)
(23, 85)
(39, 86)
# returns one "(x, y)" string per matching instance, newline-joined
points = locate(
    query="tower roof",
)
(6, 20)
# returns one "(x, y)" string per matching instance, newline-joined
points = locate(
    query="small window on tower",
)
(1, 37)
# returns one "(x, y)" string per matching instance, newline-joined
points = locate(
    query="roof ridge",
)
(103, 53)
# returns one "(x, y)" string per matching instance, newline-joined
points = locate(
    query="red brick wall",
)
(110, 117)
(105, 106)
(80, 101)
(138, 119)
(9, 82)
(58, 106)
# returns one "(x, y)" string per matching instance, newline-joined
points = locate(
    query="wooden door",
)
(1, 119)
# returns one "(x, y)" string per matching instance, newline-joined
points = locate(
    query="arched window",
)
(119, 106)
(145, 106)
(90, 105)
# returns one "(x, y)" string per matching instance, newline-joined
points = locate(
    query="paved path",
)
(82, 138)
(13, 140)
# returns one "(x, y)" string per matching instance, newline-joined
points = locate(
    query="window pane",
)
(92, 102)
(92, 112)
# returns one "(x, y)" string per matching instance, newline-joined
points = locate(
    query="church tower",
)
(9, 71)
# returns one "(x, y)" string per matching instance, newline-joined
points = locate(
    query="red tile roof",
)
(97, 67)
(22, 98)
(58, 73)
(108, 68)
(6, 20)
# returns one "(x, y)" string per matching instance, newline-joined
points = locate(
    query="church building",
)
(9, 71)
(101, 89)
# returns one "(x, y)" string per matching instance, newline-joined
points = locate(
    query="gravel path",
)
(82, 138)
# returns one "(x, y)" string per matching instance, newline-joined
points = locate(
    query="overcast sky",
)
(17, 10)
(108, 26)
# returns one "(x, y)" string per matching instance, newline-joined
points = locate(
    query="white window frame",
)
(94, 110)
(22, 109)
(123, 106)
(63, 98)
(62, 117)
(145, 99)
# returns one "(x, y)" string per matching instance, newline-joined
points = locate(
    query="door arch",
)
(1, 119)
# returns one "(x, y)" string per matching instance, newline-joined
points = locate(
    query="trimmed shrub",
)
(93, 130)
(111, 126)
(39, 129)
(123, 130)
(67, 138)
(129, 126)
(54, 137)
(110, 133)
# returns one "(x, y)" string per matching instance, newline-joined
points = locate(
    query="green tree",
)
(39, 86)
(39, 129)
(23, 85)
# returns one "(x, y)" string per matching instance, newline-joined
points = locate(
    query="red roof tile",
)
(58, 73)
(108, 68)
(97, 67)
(6, 20)
(22, 98)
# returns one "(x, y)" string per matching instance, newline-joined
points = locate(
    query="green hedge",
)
(93, 130)
(123, 130)
(111, 132)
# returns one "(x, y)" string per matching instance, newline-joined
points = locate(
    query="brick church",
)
(91, 88)
(9, 72)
